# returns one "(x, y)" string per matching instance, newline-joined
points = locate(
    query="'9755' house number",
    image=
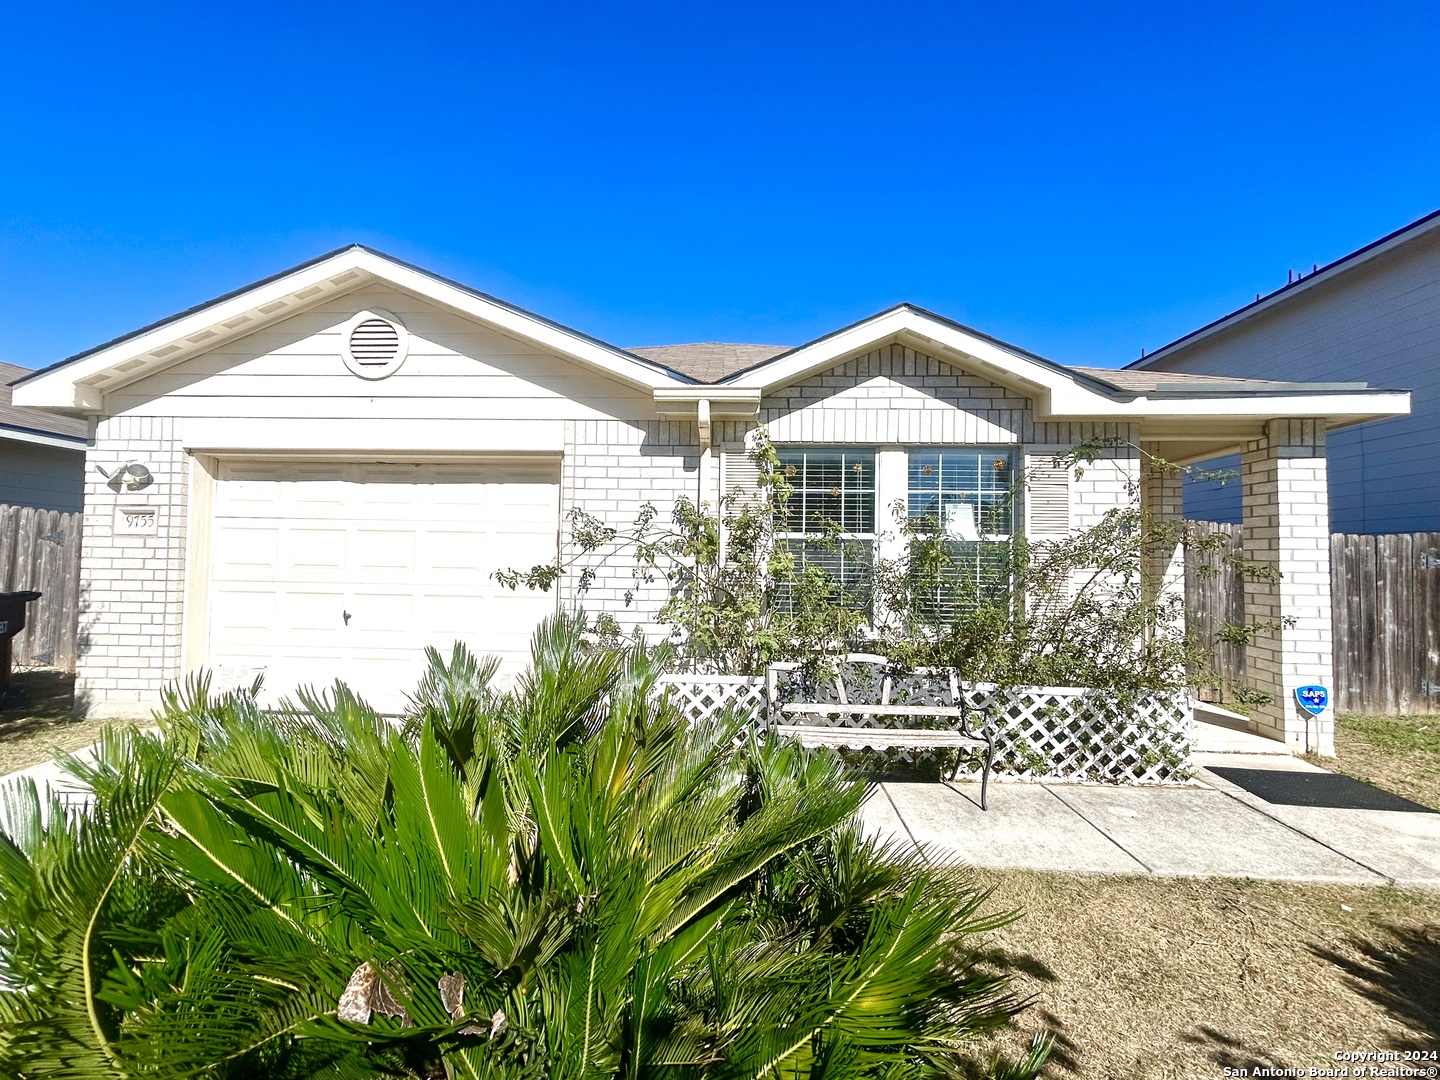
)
(136, 520)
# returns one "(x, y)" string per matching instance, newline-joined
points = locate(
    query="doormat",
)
(1286, 787)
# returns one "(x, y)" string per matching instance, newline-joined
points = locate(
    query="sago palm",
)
(566, 880)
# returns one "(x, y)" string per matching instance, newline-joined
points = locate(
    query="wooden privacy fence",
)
(40, 550)
(1213, 598)
(1386, 602)
(1385, 622)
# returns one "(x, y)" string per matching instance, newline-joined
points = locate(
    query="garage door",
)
(325, 571)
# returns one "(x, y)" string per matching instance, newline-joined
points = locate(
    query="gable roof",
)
(1060, 392)
(703, 380)
(1390, 242)
(988, 355)
(41, 426)
(79, 381)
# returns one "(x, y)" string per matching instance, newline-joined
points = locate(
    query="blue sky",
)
(1080, 179)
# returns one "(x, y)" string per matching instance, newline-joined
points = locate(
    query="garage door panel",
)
(317, 500)
(252, 617)
(314, 552)
(381, 551)
(246, 552)
(403, 506)
(391, 678)
(408, 551)
(391, 614)
(515, 548)
(451, 617)
(454, 555)
(311, 616)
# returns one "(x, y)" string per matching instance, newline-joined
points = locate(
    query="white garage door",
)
(324, 571)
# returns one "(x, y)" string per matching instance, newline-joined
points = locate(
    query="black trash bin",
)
(12, 621)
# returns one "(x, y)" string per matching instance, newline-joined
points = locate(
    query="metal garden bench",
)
(842, 710)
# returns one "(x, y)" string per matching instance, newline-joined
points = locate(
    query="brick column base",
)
(1287, 529)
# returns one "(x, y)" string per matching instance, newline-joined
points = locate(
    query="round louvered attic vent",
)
(374, 344)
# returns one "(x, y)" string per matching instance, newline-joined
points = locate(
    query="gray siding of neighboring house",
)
(42, 476)
(1207, 498)
(1378, 322)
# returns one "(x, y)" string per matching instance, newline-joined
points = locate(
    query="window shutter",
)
(741, 477)
(740, 487)
(1047, 498)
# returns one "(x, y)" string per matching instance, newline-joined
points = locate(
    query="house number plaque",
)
(136, 520)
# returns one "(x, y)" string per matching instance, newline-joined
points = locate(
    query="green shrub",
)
(564, 880)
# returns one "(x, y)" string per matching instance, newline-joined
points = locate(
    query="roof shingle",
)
(709, 361)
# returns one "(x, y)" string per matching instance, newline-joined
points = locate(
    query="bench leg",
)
(985, 775)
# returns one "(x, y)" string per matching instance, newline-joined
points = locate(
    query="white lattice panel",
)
(1069, 733)
(701, 696)
(1041, 733)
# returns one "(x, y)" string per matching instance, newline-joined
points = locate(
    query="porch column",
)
(1162, 498)
(1286, 504)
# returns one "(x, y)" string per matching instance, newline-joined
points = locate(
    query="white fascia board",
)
(39, 438)
(70, 386)
(1336, 408)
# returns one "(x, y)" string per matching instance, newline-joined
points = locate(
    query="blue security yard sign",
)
(1313, 699)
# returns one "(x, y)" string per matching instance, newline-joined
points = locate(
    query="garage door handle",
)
(347, 618)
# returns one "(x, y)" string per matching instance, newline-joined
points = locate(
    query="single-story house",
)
(339, 457)
(42, 453)
(1372, 316)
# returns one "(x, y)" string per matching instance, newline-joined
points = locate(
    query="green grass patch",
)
(1399, 734)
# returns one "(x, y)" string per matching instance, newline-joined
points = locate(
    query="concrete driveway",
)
(1215, 828)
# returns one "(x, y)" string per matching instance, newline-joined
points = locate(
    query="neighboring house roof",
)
(41, 426)
(709, 361)
(1385, 246)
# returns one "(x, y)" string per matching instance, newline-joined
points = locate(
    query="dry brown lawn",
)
(1153, 977)
(42, 722)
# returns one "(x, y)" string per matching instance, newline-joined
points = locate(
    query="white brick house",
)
(326, 468)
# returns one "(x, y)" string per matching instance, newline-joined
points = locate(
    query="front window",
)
(966, 499)
(828, 521)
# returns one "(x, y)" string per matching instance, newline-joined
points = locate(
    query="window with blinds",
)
(967, 499)
(828, 520)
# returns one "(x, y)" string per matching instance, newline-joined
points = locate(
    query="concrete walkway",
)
(1214, 828)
